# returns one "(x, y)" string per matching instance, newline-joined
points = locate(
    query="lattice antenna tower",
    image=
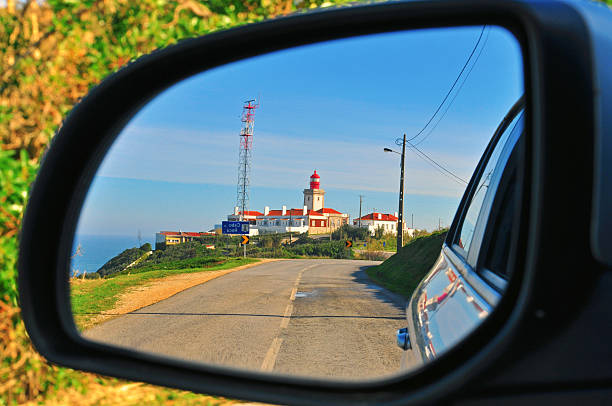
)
(244, 155)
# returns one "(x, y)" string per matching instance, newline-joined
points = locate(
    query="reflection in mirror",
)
(247, 217)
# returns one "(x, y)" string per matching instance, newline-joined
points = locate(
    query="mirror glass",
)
(248, 217)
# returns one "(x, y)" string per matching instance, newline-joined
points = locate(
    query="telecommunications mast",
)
(244, 155)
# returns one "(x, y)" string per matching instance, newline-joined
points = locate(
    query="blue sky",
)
(331, 107)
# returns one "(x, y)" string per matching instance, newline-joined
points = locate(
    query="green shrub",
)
(330, 249)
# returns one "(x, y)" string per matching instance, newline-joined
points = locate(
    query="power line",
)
(453, 86)
(448, 106)
(429, 159)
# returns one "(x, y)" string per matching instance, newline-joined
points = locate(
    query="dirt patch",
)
(157, 290)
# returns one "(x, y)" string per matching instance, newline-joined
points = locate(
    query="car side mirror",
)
(550, 36)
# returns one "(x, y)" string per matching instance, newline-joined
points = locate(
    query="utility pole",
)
(400, 219)
(360, 201)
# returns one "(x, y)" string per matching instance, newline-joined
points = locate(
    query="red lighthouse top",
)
(314, 180)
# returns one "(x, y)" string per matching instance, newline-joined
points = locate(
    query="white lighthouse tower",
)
(314, 197)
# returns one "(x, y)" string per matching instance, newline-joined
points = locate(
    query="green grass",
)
(90, 297)
(403, 271)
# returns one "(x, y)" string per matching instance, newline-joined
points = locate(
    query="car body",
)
(470, 275)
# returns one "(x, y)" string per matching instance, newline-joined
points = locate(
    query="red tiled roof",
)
(250, 213)
(328, 210)
(383, 217)
(185, 233)
(292, 212)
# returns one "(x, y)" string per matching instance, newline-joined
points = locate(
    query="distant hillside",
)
(189, 255)
(121, 261)
(402, 272)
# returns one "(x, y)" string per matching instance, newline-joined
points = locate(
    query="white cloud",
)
(193, 156)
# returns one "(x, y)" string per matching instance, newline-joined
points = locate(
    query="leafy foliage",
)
(16, 175)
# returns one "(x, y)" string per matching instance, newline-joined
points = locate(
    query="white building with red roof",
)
(387, 222)
(289, 220)
(312, 218)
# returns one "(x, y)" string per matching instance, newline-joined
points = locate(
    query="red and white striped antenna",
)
(244, 155)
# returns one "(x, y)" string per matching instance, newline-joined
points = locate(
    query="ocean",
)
(96, 250)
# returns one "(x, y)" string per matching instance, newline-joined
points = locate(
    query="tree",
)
(350, 232)
(379, 233)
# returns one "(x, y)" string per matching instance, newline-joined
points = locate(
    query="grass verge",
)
(403, 271)
(90, 297)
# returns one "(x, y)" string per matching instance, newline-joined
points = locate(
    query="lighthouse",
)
(314, 197)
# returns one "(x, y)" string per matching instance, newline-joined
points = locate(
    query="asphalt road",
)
(320, 318)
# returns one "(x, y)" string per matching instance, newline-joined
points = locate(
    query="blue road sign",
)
(234, 227)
